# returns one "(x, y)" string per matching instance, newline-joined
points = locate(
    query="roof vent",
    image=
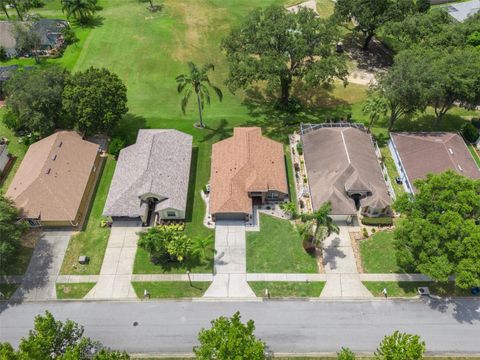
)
(54, 157)
(48, 171)
(450, 151)
(460, 168)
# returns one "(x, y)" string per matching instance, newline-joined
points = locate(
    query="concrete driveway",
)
(44, 268)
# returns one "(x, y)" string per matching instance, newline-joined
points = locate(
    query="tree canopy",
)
(278, 47)
(400, 346)
(10, 231)
(53, 339)
(440, 236)
(34, 101)
(167, 241)
(81, 10)
(230, 339)
(95, 100)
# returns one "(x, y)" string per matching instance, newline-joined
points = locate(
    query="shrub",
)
(365, 233)
(289, 208)
(115, 146)
(400, 346)
(346, 354)
(470, 132)
(300, 148)
(476, 122)
(379, 221)
(166, 242)
(3, 54)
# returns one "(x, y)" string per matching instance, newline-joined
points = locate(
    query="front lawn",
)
(277, 248)
(409, 288)
(379, 254)
(92, 241)
(73, 291)
(474, 154)
(170, 289)
(279, 289)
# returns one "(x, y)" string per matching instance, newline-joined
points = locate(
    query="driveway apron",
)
(44, 268)
(116, 273)
(230, 264)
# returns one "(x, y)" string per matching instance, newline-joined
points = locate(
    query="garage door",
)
(230, 216)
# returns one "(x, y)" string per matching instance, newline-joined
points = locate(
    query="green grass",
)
(287, 289)
(170, 289)
(290, 175)
(73, 291)
(392, 170)
(92, 241)
(474, 154)
(19, 264)
(378, 253)
(277, 248)
(8, 289)
(409, 288)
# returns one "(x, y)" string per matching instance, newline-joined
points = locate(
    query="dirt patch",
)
(30, 238)
(319, 257)
(355, 238)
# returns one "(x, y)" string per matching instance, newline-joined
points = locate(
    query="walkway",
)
(343, 280)
(114, 281)
(41, 276)
(230, 264)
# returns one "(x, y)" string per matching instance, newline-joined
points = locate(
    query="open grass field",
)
(378, 253)
(73, 291)
(170, 289)
(280, 289)
(277, 248)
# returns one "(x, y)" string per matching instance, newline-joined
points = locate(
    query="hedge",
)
(379, 221)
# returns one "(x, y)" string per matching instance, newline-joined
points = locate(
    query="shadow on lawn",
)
(191, 185)
(129, 126)
(426, 122)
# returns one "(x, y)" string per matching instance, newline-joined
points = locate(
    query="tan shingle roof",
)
(341, 159)
(245, 162)
(435, 152)
(53, 176)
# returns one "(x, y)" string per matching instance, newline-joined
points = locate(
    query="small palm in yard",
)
(375, 107)
(81, 10)
(197, 82)
(318, 226)
(201, 245)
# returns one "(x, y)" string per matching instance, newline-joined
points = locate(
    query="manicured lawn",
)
(378, 253)
(287, 289)
(277, 248)
(171, 289)
(392, 170)
(7, 290)
(290, 175)
(474, 154)
(92, 241)
(409, 288)
(73, 291)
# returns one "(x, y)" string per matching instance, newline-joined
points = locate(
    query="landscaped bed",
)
(277, 248)
(277, 289)
(409, 288)
(171, 289)
(73, 291)
(379, 254)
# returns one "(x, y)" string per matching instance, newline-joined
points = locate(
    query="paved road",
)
(286, 326)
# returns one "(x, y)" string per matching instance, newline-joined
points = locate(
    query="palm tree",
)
(82, 10)
(201, 245)
(197, 81)
(324, 225)
(376, 107)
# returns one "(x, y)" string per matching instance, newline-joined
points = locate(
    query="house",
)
(460, 11)
(342, 168)
(151, 178)
(418, 154)
(247, 169)
(4, 157)
(49, 32)
(55, 180)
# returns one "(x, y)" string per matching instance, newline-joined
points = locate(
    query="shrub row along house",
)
(55, 180)
(343, 169)
(151, 179)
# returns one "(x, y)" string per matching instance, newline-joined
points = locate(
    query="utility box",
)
(83, 260)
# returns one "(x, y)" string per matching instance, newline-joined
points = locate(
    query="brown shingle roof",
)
(339, 160)
(245, 162)
(434, 152)
(53, 176)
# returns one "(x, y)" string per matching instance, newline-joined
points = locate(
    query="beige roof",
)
(245, 162)
(53, 176)
(434, 152)
(339, 160)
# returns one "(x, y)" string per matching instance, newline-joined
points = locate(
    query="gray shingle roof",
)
(462, 10)
(158, 164)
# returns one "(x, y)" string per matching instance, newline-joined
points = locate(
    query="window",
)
(171, 213)
(272, 195)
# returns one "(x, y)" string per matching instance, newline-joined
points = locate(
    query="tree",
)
(279, 47)
(95, 100)
(166, 242)
(370, 15)
(10, 231)
(290, 208)
(201, 245)
(324, 225)
(34, 101)
(439, 236)
(27, 40)
(400, 346)
(81, 10)
(229, 339)
(376, 107)
(3, 5)
(470, 132)
(197, 81)
(345, 354)
(53, 339)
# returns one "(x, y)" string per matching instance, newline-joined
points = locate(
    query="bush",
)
(166, 241)
(346, 354)
(289, 208)
(476, 122)
(3, 54)
(380, 221)
(115, 146)
(300, 148)
(365, 233)
(470, 132)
